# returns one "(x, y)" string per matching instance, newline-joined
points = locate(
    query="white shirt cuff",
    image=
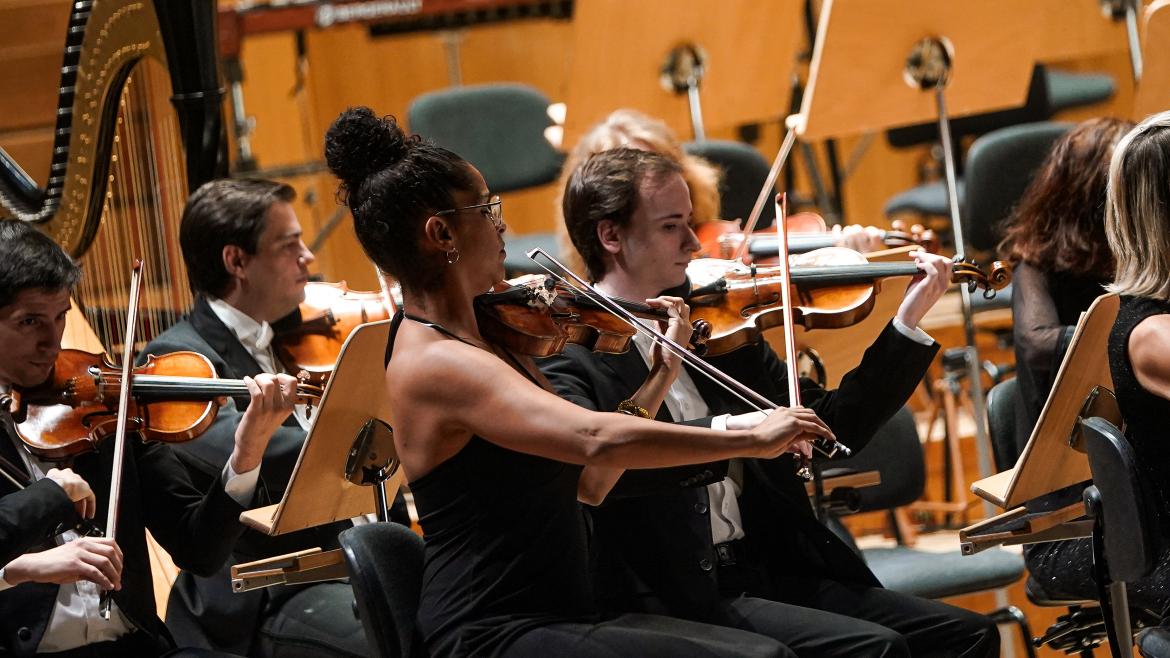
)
(916, 334)
(240, 486)
(719, 423)
(4, 584)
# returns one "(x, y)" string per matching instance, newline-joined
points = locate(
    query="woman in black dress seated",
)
(1137, 225)
(493, 458)
(1055, 241)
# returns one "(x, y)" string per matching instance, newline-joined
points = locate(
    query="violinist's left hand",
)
(862, 239)
(925, 289)
(272, 400)
(678, 329)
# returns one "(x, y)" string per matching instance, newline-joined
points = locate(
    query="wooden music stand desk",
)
(619, 48)
(856, 80)
(1153, 92)
(1041, 493)
(319, 491)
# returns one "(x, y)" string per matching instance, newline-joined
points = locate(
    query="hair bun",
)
(360, 143)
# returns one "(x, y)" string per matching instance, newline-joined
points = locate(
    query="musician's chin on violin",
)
(636, 240)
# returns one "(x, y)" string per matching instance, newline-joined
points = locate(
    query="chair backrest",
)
(896, 453)
(499, 128)
(744, 173)
(1000, 166)
(385, 563)
(1001, 423)
(1129, 524)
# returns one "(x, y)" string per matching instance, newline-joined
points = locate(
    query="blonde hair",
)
(1137, 216)
(636, 130)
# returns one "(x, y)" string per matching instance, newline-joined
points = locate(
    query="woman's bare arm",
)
(1149, 354)
(452, 389)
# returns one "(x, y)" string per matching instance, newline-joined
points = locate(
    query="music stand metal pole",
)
(975, 389)
(1131, 35)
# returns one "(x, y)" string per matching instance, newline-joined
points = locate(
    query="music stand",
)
(873, 61)
(347, 466)
(1049, 462)
(620, 48)
(1042, 492)
(1153, 92)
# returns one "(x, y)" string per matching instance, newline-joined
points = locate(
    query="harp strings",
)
(146, 189)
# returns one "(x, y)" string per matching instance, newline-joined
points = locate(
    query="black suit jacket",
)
(204, 612)
(198, 529)
(29, 515)
(654, 552)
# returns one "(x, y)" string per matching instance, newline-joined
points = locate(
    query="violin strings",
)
(732, 386)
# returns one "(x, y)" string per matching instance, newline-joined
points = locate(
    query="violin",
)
(311, 342)
(535, 316)
(807, 232)
(832, 288)
(174, 398)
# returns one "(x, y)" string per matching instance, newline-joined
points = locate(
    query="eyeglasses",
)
(493, 210)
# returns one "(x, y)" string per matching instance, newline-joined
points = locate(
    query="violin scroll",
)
(968, 271)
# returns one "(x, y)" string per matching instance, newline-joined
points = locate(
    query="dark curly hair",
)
(606, 187)
(392, 182)
(1059, 223)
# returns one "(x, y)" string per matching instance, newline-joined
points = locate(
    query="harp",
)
(138, 128)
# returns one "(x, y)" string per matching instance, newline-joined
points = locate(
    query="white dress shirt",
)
(684, 403)
(256, 337)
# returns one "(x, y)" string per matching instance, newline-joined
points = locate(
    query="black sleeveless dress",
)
(506, 568)
(506, 548)
(1064, 569)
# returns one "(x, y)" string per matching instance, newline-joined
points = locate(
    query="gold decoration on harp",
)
(122, 189)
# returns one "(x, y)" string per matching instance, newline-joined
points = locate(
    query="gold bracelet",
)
(629, 407)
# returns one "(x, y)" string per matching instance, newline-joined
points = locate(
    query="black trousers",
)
(648, 636)
(824, 617)
(136, 644)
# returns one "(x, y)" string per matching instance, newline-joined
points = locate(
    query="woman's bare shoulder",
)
(1149, 354)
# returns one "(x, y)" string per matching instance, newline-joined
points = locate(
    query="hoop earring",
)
(453, 256)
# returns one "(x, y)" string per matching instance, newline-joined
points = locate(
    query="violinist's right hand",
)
(96, 559)
(272, 400)
(76, 488)
(787, 425)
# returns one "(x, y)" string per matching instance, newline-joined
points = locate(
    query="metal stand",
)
(682, 73)
(371, 462)
(928, 68)
(453, 47)
(1127, 10)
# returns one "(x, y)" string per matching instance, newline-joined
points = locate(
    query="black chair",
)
(1048, 93)
(1125, 528)
(1003, 402)
(744, 173)
(499, 128)
(385, 563)
(896, 452)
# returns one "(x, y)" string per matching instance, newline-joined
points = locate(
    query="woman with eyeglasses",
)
(494, 458)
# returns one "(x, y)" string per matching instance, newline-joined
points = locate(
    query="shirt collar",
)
(248, 331)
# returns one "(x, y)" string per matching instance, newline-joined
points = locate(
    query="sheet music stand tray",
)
(1051, 465)
(319, 491)
(616, 64)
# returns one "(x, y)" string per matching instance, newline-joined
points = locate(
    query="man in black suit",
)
(49, 596)
(745, 550)
(248, 266)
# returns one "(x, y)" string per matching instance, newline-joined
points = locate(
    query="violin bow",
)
(123, 410)
(766, 190)
(745, 394)
(803, 469)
